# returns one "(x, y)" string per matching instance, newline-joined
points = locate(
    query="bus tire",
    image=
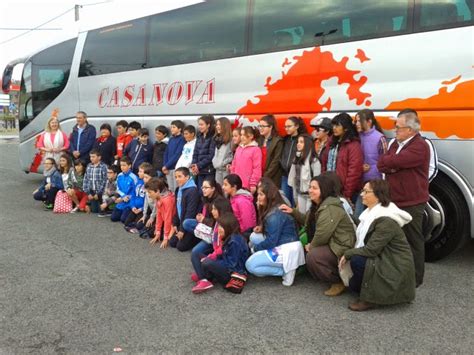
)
(448, 200)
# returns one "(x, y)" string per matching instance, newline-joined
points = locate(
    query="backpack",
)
(433, 169)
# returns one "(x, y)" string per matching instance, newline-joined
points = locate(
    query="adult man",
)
(405, 166)
(82, 138)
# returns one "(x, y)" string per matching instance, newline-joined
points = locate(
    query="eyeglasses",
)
(365, 192)
(264, 126)
(206, 187)
(398, 128)
(289, 126)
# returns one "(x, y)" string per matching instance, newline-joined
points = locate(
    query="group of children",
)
(216, 192)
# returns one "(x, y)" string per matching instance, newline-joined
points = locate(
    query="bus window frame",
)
(417, 28)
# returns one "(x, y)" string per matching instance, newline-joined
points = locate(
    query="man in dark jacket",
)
(406, 166)
(187, 207)
(82, 138)
(139, 150)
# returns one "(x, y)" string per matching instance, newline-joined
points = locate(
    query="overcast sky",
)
(30, 14)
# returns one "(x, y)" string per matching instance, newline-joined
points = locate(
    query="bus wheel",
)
(446, 220)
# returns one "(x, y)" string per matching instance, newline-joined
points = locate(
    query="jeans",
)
(132, 218)
(287, 190)
(201, 250)
(260, 264)
(216, 271)
(358, 268)
(189, 225)
(47, 196)
(120, 215)
(171, 181)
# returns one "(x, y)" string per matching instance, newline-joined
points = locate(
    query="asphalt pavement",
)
(80, 284)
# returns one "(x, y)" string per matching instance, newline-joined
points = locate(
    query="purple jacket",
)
(244, 210)
(373, 143)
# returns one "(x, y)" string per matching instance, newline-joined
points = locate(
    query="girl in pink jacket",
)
(241, 201)
(247, 161)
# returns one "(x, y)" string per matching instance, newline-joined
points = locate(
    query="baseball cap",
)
(323, 122)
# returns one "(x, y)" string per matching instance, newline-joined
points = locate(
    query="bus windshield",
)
(44, 77)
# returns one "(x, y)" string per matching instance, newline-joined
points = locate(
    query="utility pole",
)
(76, 12)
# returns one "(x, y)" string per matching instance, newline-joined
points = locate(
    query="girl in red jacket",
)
(345, 155)
(157, 189)
(247, 161)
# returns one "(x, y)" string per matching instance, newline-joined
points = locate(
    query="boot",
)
(360, 306)
(335, 289)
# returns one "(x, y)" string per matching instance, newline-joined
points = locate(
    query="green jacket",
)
(389, 275)
(333, 226)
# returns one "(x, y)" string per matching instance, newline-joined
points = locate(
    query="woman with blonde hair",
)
(53, 142)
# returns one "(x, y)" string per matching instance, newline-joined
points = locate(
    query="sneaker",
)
(335, 289)
(74, 210)
(104, 214)
(194, 277)
(289, 278)
(48, 206)
(133, 230)
(202, 286)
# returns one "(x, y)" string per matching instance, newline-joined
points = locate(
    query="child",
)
(187, 206)
(229, 268)
(110, 192)
(241, 201)
(247, 161)
(64, 168)
(277, 250)
(219, 206)
(75, 183)
(223, 154)
(95, 181)
(173, 152)
(146, 223)
(235, 139)
(304, 167)
(137, 202)
(106, 144)
(139, 150)
(123, 138)
(126, 181)
(186, 157)
(133, 129)
(51, 184)
(159, 148)
(201, 165)
(165, 202)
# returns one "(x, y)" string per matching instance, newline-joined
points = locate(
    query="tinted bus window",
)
(444, 13)
(282, 24)
(206, 31)
(45, 76)
(114, 49)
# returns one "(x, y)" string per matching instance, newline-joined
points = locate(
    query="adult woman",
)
(330, 233)
(374, 144)
(277, 250)
(223, 154)
(204, 150)
(53, 142)
(272, 146)
(294, 126)
(344, 155)
(382, 261)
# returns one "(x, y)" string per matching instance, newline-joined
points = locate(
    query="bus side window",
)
(438, 14)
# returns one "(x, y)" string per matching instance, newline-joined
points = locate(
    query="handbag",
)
(203, 232)
(62, 203)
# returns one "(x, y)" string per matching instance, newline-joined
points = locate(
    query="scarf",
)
(332, 158)
(53, 140)
(49, 173)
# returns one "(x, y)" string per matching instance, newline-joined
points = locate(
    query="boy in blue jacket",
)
(139, 150)
(82, 138)
(126, 182)
(187, 206)
(173, 152)
(137, 202)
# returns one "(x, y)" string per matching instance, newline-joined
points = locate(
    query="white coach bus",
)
(246, 58)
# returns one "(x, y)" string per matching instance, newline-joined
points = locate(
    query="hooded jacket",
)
(173, 151)
(244, 209)
(138, 198)
(389, 275)
(125, 187)
(187, 203)
(247, 164)
(122, 141)
(186, 157)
